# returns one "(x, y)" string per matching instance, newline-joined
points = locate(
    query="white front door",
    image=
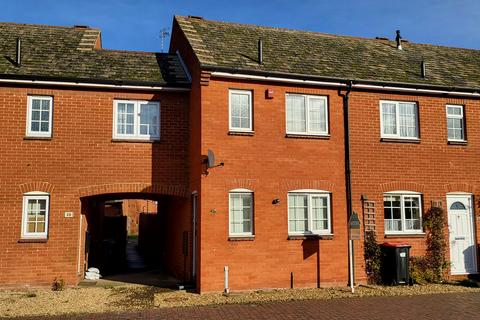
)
(463, 255)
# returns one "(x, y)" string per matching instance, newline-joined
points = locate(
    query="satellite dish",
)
(210, 159)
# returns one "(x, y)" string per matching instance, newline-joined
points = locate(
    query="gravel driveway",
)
(42, 302)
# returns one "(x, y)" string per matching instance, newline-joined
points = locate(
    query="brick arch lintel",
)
(243, 183)
(460, 187)
(36, 186)
(289, 185)
(161, 189)
(402, 185)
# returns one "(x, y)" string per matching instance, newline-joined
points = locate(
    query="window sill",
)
(32, 240)
(36, 138)
(241, 238)
(135, 140)
(457, 143)
(241, 133)
(400, 140)
(406, 235)
(311, 237)
(308, 136)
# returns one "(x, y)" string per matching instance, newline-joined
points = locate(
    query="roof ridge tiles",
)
(87, 28)
(135, 52)
(323, 34)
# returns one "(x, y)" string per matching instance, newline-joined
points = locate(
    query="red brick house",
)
(271, 104)
(84, 125)
(94, 125)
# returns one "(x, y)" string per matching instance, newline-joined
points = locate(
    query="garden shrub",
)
(436, 255)
(373, 258)
(431, 268)
(58, 284)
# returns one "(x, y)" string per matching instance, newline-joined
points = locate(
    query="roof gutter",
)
(92, 85)
(357, 84)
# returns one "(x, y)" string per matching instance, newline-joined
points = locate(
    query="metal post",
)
(225, 271)
(350, 265)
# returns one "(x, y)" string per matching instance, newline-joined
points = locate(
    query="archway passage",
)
(142, 238)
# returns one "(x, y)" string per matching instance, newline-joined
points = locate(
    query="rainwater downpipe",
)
(348, 183)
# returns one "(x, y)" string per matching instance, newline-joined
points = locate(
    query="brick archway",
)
(164, 189)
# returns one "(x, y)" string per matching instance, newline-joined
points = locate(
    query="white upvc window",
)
(240, 110)
(39, 116)
(399, 119)
(402, 212)
(240, 212)
(137, 120)
(309, 212)
(35, 215)
(455, 123)
(306, 114)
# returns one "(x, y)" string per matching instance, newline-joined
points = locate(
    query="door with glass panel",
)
(461, 234)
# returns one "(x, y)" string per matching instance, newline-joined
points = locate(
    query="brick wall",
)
(195, 156)
(431, 167)
(132, 209)
(79, 160)
(269, 164)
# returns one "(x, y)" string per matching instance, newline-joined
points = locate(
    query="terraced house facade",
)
(306, 128)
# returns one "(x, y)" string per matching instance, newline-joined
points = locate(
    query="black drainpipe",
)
(346, 126)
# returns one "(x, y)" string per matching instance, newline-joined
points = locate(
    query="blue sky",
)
(136, 24)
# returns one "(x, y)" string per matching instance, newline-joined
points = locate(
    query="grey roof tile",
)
(235, 46)
(68, 53)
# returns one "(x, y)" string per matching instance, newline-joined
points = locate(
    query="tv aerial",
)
(163, 35)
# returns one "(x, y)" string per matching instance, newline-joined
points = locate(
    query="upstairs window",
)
(35, 215)
(402, 212)
(309, 212)
(399, 119)
(240, 110)
(455, 123)
(306, 114)
(137, 120)
(241, 212)
(39, 116)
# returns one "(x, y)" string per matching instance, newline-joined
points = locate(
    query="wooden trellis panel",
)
(369, 216)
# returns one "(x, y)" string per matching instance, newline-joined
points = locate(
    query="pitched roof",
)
(74, 53)
(220, 46)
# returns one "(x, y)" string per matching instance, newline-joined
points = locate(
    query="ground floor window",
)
(402, 213)
(309, 212)
(35, 215)
(241, 212)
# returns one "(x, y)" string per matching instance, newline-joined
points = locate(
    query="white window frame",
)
(452, 116)
(136, 124)
(309, 193)
(402, 194)
(307, 131)
(237, 192)
(39, 134)
(397, 120)
(37, 195)
(250, 124)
